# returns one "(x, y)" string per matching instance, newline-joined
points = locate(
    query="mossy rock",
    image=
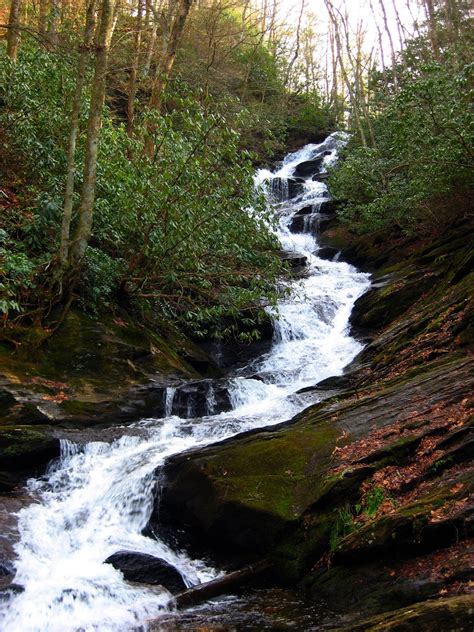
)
(455, 614)
(25, 452)
(247, 491)
(96, 370)
(412, 528)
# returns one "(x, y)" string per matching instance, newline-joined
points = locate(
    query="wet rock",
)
(295, 260)
(9, 589)
(247, 492)
(286, 188)
(330, 207)
(147, 569)
(368, 589)
(306, 210)
(197, 399)
(27, 448)
(301, 223)
(328, 253)
(308, 167)
(452, 613)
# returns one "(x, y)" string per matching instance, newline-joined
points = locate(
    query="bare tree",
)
(86, 204)
(132, 83)
(13, 36)
(432, 27)
(165, 67)
(390, 39)
(84, 51)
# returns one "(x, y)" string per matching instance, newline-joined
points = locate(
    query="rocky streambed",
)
(357, 490)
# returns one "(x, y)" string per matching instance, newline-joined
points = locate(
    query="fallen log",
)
(220, 585)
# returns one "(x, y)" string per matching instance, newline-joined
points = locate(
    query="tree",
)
(13, 36)
(164, 69)
(86, 204)
(84, 51)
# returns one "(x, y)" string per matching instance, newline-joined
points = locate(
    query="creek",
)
(98, 498)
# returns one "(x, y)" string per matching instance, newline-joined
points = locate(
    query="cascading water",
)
(98, 499)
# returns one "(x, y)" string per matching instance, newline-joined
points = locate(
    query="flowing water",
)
(98, 499)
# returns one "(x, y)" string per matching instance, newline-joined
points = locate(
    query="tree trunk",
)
(392, 47)
(166, 65)
(432, 27)
(43, 15)
(86, 204)
(13, 36)
(74, 130)
(220, 586)
(132, 84)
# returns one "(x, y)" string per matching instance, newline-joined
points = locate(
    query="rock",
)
(301, 223)
(286, 188)
(247, 492)
(295, 260)
(327, 252)
(320, 177)
(197, 399)
(295, 187)
(147, 569)
(306, 210)
(411, 529)
(27, 448)
(308, 167)
(453, 613)
(330, 207)
(92, 371)
(7, 590)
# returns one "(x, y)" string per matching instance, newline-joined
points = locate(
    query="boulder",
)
(327, 252)
(204, 397)
(286, 188)
(147, 569)
(306, 210)
(27, 449)
(295, 260)
(329, 207)
(299, 223)
(308, 167)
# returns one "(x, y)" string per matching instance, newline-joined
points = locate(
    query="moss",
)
(452, 613)
(26, 447)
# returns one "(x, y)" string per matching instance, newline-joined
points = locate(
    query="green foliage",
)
(343, 525)
(184, 237)
(421, 163)
(349, 518)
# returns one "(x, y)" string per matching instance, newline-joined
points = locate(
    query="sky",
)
(358, 10)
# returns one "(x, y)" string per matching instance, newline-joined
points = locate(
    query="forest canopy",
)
(130, 132)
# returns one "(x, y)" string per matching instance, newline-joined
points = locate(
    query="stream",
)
(98, 498)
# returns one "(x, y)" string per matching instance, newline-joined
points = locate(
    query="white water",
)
(99, 498)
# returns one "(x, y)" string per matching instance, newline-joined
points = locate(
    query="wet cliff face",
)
(367, 495)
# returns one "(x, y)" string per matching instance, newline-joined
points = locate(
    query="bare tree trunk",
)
(42, 17)
(13, 36)
(53, 22)
(166, 65)
(297, 45)
(73, 133)
(151, 8)
(432, 27)
(132, 84)
(340, 59)
(379, 34)
(86, 204)
(392, 47)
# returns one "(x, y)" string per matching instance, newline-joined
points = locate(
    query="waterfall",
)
(97, 500)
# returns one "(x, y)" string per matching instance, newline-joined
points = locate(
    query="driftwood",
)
(221, 585)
